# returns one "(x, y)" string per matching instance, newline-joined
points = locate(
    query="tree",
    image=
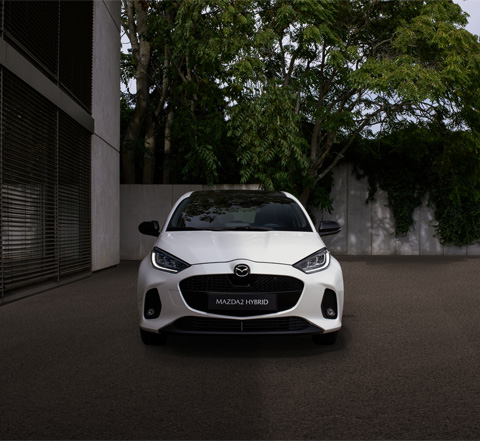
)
(134, 23)
(332, 70)
(179, 53)
(288, 87)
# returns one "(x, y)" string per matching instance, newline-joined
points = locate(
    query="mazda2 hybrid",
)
(239, 262)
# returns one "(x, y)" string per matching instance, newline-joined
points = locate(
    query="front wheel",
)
(325, 339)
(153, 339)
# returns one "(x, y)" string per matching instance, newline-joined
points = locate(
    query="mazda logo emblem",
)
(241, 270)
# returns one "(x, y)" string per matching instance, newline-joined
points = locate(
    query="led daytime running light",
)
(315, 262)
(166, 262)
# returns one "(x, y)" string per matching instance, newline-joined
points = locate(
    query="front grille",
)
(232, 283)
(195, 291)
(206, 325)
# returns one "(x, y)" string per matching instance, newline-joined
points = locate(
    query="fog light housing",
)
(331, 313)
(152, 306)
(151, 313)
(329, 304)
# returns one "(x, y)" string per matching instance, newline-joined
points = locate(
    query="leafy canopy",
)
(277, 92)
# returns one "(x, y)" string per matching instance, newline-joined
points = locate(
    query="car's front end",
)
(248, 280)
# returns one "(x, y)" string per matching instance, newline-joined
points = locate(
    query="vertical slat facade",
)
(29, 180)
(56, 36)
(76, 25)
(32, 28)
(74, 225)
(45, 155)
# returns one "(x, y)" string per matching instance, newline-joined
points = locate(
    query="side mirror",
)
(151, 228)
(327, 228)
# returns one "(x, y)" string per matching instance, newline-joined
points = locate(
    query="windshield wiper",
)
(247, 228)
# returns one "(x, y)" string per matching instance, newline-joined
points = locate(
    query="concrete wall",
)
(106, 137)
(368, 228)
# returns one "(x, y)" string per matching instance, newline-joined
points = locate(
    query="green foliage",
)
(196, 158)
(398, 164)
(455, 189)
(346, 66)
(271, 150)
(276, 92)
(426, 161)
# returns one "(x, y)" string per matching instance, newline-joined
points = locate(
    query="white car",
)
(239, 262)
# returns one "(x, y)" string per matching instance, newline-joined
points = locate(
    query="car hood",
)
(196, 247)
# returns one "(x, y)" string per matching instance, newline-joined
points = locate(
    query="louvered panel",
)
(75, 67)
(48, 34)
(2, 287)
(32, 27)
(44, 154)
(74, 226)
(29, 179)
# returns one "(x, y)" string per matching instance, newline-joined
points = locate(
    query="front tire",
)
(325, 339)
(153, 339)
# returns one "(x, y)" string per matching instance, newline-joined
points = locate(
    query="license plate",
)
(242, 302)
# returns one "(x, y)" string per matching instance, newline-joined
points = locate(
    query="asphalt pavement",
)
(406, 365)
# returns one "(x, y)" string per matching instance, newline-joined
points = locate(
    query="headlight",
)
(316, 262)
(166, 262)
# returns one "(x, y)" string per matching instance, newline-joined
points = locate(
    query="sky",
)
(472, 8)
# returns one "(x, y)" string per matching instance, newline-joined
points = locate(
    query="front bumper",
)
(228, 326)
(176, 316)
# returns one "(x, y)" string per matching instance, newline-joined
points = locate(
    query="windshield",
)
(226, 210)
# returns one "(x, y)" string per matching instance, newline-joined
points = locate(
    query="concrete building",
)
(60, 141)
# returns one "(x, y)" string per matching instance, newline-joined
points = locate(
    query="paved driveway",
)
(406, 365)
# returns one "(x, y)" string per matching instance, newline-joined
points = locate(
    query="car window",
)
(238, 210)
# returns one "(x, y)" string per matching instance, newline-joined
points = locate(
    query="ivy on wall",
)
(426, 161)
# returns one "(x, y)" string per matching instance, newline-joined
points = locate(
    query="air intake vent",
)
(329, 304)
(280, 325)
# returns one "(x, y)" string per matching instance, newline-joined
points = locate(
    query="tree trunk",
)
(135, 129)
(128, 164)
(149, 156)
(141, 50)
(167, 148)
(303, 198)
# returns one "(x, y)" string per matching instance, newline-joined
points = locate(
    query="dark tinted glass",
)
(238, 210)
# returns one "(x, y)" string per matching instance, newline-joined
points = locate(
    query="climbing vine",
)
(421, 162)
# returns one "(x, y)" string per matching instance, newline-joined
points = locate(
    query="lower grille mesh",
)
(213, 325)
